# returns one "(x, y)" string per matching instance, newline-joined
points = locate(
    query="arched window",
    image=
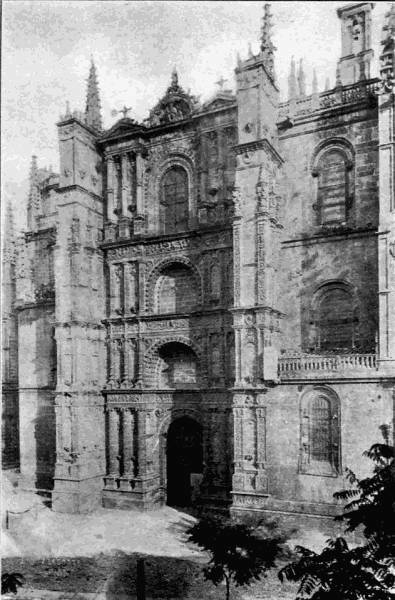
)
(333, 170)
(335, 319)
(320, 430)
(177, 367)
(174, 200)
(176, 290)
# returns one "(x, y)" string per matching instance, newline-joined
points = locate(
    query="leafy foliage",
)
(367, 571)
(240, 553)
(10, 582)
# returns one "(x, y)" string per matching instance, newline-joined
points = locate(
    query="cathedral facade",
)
(202, 309)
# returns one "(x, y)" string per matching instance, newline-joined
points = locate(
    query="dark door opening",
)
(184, 461)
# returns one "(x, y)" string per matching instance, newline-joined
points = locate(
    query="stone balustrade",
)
(321, 365)
(329, 99)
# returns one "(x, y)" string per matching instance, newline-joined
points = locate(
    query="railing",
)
(330, 98)
(292, 366)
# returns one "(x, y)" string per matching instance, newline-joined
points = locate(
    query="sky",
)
(47, 45)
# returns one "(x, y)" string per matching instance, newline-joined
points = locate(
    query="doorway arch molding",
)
(170, 418)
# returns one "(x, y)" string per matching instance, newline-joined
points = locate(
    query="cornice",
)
(254, 145)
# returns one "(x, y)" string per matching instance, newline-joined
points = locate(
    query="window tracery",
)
(176, 290)
(320, 433)
(333, 170)
(174, 205)
(335, 324)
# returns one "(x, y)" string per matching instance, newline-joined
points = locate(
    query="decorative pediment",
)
(123, 126)
(176, 105)
(220, 100)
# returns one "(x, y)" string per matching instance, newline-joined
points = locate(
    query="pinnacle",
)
(34, 198)
(267, 46)
(92, 111)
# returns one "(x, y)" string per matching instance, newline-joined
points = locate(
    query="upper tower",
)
(356, 52)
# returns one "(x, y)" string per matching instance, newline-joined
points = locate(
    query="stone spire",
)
(387, 56)
(34, 198)
(267, 46)
(301, 79)
(292, 81)
(9, 234)
(93, 110)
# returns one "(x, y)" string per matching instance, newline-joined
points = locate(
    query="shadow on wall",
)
(45, 435)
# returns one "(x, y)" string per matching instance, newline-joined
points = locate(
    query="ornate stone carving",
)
(175, 105)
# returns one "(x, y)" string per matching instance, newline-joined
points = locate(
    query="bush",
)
(366, 571)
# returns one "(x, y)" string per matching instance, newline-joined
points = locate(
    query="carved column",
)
(113, 442)
(237, 357)
(128, 442)
(130, 361)
(238, 479)
(141, 443)
(116, 287)
(115, 372)
(236, 251)
(125, 184)
(110, 189)
(261, 477)
(139, 217)
(130, 288)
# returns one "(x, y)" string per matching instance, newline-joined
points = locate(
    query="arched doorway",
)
(184, 454)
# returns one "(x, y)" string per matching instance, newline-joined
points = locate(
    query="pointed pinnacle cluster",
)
(389, 26)
(34, 198)
(267, 46)
(93, 108)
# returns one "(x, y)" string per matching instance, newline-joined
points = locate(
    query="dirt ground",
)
(75, 556)
(113, 576)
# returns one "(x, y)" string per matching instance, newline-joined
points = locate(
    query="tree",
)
(10, 582)
(239, 553)
(366, 571)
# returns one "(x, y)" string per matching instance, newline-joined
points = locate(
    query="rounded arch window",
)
(174, 205)
(336, 318)
(320, 433)
(332, 169)
(178, 366)
(176, 290)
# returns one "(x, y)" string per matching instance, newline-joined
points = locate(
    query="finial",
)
(9, 231)
(174, 78)
(327, 84)
(221, 81)
(292, 81)
(124, 110)
(267, 46)
(387, 56)
(93, 109)
(68, 113)
(34, 198)
(238, 59)
(338, 76)
(301, 79)
(314, 85)
(250, 54)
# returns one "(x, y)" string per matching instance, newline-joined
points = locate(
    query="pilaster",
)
(386, 239)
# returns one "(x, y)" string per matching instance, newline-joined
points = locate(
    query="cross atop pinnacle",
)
(93, 109)
(267, 46)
